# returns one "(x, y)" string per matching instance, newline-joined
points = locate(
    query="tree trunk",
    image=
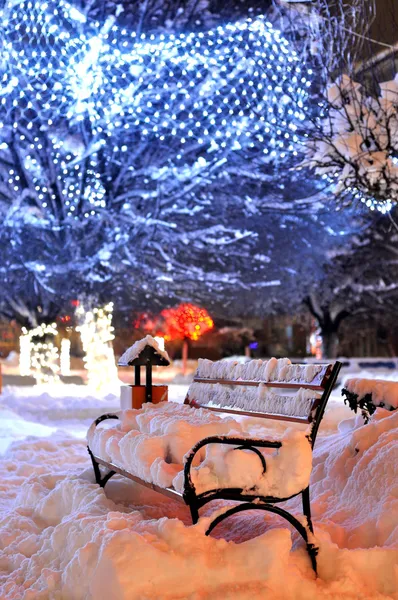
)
(184, 356)
(330, 342)
(329, 324)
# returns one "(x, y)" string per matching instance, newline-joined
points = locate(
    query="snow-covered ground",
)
(41, 411)
(62, 537)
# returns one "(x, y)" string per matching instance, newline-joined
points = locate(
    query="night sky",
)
(385, 27)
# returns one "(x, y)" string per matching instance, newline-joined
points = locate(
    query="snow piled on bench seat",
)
(288, 468)
(151, 443)
(277, 370)
(256, 399)
(383, 391)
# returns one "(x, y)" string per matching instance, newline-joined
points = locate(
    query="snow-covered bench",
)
(189, 453)
(368, 394)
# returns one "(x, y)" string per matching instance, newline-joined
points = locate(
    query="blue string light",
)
(230, 89)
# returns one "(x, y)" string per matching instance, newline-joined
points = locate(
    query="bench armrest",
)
(242, 443)
(99, 420)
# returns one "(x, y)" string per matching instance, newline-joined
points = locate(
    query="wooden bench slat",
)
(170, 492)
(318, 382)
(287, 385)
(248, 413)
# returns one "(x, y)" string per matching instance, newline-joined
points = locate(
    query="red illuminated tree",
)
(185, 322)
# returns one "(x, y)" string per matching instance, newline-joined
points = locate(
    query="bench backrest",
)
(273, 389)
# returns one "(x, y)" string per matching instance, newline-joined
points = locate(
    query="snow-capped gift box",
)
(145, 352)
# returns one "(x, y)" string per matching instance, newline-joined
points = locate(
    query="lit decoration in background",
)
(183, 322)
(43, 355)
(95, 327)
(186, 322)
(65, 357)
(83, 93)
(355, 147)
(316, 344)
(24, 354)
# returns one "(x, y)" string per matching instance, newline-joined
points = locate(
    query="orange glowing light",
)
(186, 321)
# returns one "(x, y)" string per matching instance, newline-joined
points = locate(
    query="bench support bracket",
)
(311, 548)
(249, 501)
(102, 480)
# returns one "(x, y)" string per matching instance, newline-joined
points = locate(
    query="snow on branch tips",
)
(351, 136)
(355, 144)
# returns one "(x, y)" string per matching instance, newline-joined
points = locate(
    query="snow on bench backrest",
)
(229, 385)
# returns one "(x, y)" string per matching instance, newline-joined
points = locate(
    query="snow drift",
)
(61, 536)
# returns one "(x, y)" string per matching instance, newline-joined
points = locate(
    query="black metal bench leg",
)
(307, 507)
(313, 552)
(312, 548)
(194, 513)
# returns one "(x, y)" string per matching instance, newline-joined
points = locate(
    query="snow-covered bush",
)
(368, 394)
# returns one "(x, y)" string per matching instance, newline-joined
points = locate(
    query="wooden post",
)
(184, 356)
(137, 375)
(148, 383)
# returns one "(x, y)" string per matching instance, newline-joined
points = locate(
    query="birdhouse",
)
(144, 353)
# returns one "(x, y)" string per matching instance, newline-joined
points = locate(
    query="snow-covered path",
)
(41, 411)
(62, 537)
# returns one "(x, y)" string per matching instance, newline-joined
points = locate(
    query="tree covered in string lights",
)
(169, 15)
(139, 160)
(114, 141)
(96, 331)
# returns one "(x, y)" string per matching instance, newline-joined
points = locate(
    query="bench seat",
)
(151, 443)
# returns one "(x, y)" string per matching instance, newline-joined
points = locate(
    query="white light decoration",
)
(24, 354)
(206, 94)
(65, 357)
(97, 334)
(43, 355)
